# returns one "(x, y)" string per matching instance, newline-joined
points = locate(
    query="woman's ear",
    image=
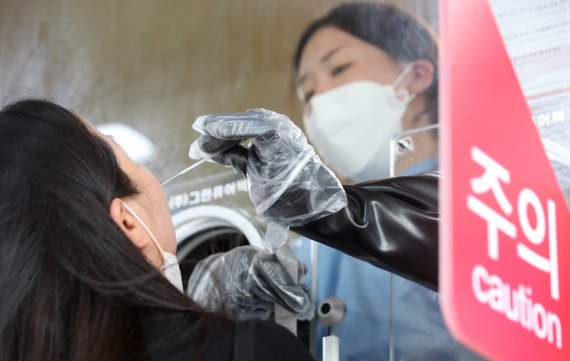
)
(421, 76)
(128, 224)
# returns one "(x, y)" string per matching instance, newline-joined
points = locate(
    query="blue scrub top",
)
(386, 314)
(383, 310)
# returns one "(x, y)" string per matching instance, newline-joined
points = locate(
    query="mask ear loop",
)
(402, 93)
(147, 231)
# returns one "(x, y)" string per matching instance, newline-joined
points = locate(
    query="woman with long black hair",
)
(86, 255)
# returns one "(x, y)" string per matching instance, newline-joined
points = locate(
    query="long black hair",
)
(72, 285)
(401, 35)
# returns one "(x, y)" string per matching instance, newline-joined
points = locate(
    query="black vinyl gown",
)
(391, 223)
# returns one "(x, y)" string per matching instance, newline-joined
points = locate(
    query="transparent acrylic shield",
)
(417, 328)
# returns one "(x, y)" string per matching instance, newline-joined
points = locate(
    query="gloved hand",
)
(246, 282)
(288, 183)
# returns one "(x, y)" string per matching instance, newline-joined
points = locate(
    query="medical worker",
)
(367, 72)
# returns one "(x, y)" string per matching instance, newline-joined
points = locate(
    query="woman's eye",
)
(340, 69)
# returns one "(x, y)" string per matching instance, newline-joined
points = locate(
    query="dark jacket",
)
(391, 223)
(256, 341)
(176, 336)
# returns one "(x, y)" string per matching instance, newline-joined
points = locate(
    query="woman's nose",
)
(323, 86)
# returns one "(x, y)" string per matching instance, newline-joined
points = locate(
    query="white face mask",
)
(170, 268)
(351, 126)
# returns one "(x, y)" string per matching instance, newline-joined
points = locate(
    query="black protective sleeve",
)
(391, 223)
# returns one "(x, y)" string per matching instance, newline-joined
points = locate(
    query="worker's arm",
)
(390, 223)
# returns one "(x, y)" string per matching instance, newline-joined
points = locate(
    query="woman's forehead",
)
(323, 45)
(329, 43)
